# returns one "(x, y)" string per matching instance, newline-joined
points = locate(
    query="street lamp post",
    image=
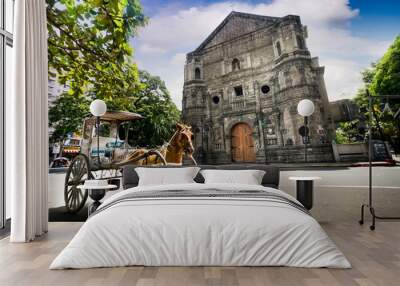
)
(98, 108)
(370, 206)
(305, 108)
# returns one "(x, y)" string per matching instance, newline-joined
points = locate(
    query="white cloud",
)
(170, 36)
(329, 41)
(342, 76)
(178, 59)
(151, 49)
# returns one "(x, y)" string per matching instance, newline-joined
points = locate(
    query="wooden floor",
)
(375, 257)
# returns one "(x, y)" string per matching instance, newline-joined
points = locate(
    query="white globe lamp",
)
(305, 107)
(98, 107)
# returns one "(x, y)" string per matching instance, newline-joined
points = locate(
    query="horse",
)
(172, 152)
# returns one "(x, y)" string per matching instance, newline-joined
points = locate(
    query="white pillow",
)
(166, 176)
(248, 177)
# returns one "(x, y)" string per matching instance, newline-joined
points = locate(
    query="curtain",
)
(26, 121)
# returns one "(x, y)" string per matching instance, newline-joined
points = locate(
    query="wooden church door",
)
(242, 144)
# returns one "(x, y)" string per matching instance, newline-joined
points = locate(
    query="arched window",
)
(278, 48)
(235, 65)
(238, 90)
(300, 42)
(197, 73)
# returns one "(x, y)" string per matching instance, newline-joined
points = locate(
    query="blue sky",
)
(346, 35)
(380, 19)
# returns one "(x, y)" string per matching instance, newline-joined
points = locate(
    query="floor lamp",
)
(370, 203)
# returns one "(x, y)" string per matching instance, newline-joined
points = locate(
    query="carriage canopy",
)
(120, 116)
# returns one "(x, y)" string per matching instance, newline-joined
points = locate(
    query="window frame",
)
(215, 99)
(278, 48)
(300, 42)
(235, 64)
(236, 90)
(197, 73)
(263, 87)
(6, 39)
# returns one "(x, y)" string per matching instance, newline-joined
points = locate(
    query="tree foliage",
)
(386, 79)
(160, 113)
(154, 103)
(89, 50)
(350, 132)
(66, 115)
(382, 78)
(89, 47)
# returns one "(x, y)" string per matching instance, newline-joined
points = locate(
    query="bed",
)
(198, 224)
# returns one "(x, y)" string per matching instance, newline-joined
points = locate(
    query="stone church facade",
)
(241, 90)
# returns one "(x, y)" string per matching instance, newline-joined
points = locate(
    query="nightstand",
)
(304, 190)
(96, 192)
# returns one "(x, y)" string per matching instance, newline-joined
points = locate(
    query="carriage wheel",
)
(77, 173)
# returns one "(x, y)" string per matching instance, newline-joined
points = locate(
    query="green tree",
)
(349, 132)
(386, 79)
(341, 136)
(89, 50)
(66, 116)
(383, 78)
(154, 103)
(89, 47)
(160, 113)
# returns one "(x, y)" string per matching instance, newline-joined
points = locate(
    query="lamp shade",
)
(305, 107)
(98, 107)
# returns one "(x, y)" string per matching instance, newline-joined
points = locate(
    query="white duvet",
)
(206, 231)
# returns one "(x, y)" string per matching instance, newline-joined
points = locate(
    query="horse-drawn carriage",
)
(106, 147)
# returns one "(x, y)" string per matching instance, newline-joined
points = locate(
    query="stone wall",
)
(257, 78)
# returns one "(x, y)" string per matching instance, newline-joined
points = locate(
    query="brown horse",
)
(179, 145)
